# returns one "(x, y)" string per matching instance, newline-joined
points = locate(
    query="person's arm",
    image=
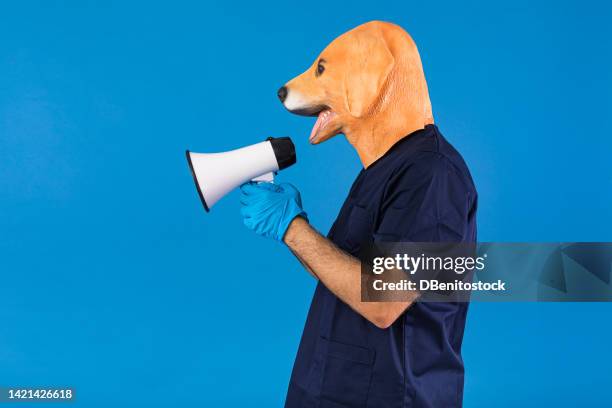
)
(414, 215)
(304, 264)
(340, 272)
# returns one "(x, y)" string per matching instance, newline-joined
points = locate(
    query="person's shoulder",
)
(425, 154)
(429, 164)
(443, 155)
(424, 164)
(448, 149)
(426, 146)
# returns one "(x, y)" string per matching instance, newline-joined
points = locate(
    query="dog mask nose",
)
(282, 93)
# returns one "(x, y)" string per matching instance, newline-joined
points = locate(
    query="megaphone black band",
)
(195, 180)
(284, 151)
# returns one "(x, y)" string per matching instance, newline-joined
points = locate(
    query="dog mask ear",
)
(371, 63)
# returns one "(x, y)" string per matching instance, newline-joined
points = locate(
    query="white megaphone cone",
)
(216, 174)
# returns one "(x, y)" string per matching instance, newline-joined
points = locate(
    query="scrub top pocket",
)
(339, 388)
(358, 229)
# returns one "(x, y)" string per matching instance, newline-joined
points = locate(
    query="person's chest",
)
(358, 217)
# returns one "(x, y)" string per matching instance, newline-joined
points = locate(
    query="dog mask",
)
(371, 74)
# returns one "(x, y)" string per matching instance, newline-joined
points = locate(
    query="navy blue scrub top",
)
(419, 191)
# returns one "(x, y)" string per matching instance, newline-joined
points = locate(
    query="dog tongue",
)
(316, 126)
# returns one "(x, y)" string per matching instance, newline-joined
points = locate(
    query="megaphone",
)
(216, 174)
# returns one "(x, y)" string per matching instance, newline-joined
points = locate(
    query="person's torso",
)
(346, 361)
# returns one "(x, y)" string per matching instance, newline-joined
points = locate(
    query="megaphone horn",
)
(216, 174)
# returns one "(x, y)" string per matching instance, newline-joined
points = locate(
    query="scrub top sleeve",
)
(426, 202)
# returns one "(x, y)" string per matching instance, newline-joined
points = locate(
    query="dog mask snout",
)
(282, 93)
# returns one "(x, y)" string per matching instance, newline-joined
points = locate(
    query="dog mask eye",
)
(320, 67)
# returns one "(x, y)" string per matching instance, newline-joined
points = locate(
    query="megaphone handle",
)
(265, 178)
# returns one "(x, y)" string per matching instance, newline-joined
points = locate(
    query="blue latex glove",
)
(269, 208)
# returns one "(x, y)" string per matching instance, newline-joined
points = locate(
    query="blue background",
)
(115, 281)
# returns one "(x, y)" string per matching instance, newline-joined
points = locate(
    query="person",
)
(376, 354)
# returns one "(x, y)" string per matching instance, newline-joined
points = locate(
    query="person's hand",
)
(269, 208)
